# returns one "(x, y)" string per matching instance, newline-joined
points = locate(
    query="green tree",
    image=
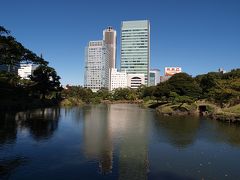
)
(184, 85)
(13, 52)
(162, 91)
(46, 81)
(104, 94)
(125, 94)
(78, 92)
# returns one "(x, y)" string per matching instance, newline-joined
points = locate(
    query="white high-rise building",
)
(25, 70)
(135, 48)
(96, 65)
(118, 79)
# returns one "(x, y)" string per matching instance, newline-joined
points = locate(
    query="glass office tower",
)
(135, 47)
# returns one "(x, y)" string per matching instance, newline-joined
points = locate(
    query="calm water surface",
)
(115, 142)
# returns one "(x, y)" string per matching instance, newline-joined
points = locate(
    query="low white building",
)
(118, 79)
(25, 70)
(135, 80)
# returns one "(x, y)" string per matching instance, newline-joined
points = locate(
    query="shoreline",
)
(209, 110)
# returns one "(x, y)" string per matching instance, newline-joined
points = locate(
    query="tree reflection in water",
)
(180, 131)
(228, 132)
(41, 123)
(8, 128)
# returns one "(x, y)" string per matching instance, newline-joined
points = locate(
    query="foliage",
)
(125, 94)
(104, 94)
(17, 92)
(13, 52)
(78, 92)
(223, 89)
(184, 85)
(45, 80)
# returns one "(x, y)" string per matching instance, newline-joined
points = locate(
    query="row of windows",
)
(134, 36)
(133, 56)
(134, 53)
(133, 63)
(131, 48)
(134, 44)
(129, 30)
(134, 39)
(144, 70)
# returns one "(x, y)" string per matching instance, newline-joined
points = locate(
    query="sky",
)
(198, 35)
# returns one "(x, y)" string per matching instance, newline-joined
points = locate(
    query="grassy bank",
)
(198, 108)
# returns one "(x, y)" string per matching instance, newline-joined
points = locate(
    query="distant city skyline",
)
(199, 36)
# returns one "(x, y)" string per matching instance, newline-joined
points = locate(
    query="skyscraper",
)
(135, 47)
(110, 38)
(96, 66)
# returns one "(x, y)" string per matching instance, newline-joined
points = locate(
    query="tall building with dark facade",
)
(110, 39)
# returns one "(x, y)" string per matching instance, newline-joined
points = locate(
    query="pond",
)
(117, 141)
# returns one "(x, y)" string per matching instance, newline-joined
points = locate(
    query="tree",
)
(184, 85)
(3, 31)
(103, 93)
(12, 52)
(78, 93)
(162, 91)
(124, 94)
(45, 81)
(207, 83)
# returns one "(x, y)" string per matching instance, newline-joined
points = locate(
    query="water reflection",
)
(133, 157)
(227, 132)
(8, 165)
(117, 142)
(178, 131)
(97, 137)
(41, 123)
(8, 128)
(125, 125)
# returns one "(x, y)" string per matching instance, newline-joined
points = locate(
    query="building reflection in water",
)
(97, 137)
(131, 123)
(105, 126)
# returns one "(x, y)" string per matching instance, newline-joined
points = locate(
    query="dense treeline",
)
(216, 87)
(43, 87)
(75, 95)
(220, 88)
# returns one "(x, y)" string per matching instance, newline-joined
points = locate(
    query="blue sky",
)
(198, 35)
